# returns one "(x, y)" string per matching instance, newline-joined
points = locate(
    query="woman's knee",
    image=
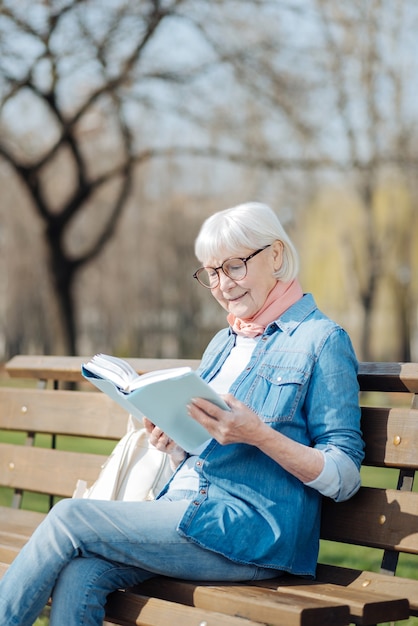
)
(62, 508)
(64, 521)
(68, 511)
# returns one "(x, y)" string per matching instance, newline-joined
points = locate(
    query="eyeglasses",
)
(235, 268)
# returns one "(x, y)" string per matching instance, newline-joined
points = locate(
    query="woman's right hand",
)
(162, 442)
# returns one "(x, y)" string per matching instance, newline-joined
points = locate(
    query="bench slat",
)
(372, 376)
(29, 468)
(250, 601)
(9, 553)
(378, 518)
(16, 526)
(388, 377)
(10, 546)
(366, 607)
(395, 586)
(86, 414)
(392, 437)
(19, 521)
(67, 368)
(146, 611)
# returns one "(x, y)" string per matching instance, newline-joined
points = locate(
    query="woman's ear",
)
(277, 252)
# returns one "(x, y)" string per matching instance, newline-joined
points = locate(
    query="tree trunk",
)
(63, 271)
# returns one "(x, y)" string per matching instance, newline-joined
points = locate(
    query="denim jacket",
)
(302, 381)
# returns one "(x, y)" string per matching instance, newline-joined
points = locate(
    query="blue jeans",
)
(86, 549)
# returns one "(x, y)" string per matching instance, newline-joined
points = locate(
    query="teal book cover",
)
(163, 397)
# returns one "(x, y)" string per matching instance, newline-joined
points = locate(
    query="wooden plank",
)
(391, 436)
(10, 547)
(372, 376)
(87, 414)
(388, 377)
(379, 518)
(30, 468)
(19, 521)
(67, 368)
(8, 554)
(16, 526)
(3, 569)
(126, 608)
(366, 606)
(371, 581)
(250, 601)
(45, 367)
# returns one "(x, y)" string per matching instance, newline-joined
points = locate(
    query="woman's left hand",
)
(162, 442)
(239, 425)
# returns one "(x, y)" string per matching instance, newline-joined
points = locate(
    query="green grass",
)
(43, 620)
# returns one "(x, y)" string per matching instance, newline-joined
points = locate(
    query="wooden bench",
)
(51, 423)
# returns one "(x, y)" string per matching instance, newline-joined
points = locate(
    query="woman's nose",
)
(224, 280)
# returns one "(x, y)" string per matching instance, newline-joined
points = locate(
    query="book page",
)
(157, 375)
(122, 374)
(114, 369)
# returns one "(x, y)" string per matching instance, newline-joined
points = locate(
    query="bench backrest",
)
(381, 516)
(385, 516)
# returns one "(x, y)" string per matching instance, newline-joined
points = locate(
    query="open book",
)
(162, 396)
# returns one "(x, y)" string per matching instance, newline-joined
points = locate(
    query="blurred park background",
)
(123, 124)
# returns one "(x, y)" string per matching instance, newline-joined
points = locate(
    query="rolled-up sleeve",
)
(333, 413)
(329, 483)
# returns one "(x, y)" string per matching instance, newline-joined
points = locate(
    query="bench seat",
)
(375, 582)
(364, 607)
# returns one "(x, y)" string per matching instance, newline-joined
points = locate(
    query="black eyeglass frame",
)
(221, 267)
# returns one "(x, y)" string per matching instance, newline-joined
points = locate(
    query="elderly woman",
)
(246, 505)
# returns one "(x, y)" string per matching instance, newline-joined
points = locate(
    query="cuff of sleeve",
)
(328, 482)
(340, 477)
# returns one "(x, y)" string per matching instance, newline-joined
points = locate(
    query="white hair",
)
(249, 226)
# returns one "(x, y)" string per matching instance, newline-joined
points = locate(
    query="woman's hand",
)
(162, 442)
(239, 425)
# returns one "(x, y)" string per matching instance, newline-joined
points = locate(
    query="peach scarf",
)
(280, 298)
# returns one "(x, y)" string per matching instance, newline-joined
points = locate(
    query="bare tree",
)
(86, 72)
(40, 72)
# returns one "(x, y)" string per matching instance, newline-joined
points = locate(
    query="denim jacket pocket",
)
(281, 390)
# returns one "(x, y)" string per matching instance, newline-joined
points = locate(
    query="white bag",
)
(134, 471)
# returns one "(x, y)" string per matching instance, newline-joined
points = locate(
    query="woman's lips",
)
(237, 297)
